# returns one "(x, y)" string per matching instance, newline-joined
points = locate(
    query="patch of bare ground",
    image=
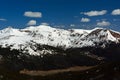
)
(57, 71)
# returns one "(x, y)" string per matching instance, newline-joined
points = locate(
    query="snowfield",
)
(45, 35)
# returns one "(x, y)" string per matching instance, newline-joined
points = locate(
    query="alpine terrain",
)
(46, 48)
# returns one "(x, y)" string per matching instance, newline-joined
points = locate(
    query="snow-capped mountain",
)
(23, 39)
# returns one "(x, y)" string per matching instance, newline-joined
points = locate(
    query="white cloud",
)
(33, 14)
(46, 24)
(103, 23)
(72, 25)
(95, 13)
(31, 22)
(116, 12)
(2, 19)
(85, 20)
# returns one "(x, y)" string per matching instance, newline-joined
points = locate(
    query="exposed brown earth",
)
(115, 34)
(52, 72)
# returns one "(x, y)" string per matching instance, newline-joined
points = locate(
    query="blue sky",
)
(85, 14)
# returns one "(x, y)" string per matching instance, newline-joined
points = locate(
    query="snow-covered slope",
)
(23, 39)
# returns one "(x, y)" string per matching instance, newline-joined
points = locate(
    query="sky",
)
(82, 14)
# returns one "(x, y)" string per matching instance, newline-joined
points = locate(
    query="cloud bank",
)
(95, 13)
(116, 12)
(44, 23)
(103, 23)
(33, 14)
(2, 19)
(85, 20)
(31, 23)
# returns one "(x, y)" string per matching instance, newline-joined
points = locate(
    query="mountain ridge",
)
(23, 39)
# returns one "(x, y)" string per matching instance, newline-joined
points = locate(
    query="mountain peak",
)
(8, 29)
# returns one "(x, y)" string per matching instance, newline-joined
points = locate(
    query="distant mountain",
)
(26, 39)
(44, 47)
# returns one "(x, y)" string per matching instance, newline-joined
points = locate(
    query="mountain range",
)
(26, 39)
(45, 47)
